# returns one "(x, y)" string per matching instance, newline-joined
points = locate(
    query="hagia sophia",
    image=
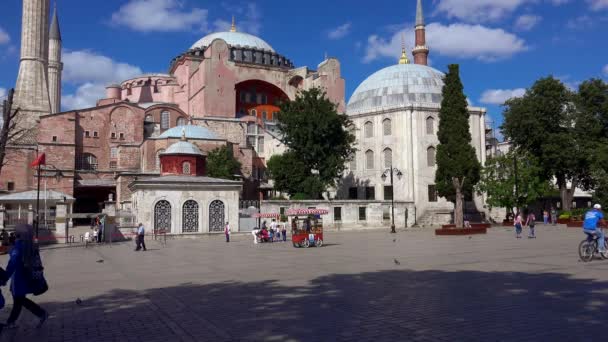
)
(150, 134)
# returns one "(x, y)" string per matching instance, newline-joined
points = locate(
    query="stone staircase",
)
(438, 217)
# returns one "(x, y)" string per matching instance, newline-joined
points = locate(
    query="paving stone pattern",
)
(361, 286)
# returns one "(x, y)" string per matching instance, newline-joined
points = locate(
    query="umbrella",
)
(305, 212)
(266, 215)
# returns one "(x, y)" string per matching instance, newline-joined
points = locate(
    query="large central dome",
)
(397, 86)
(234, 39)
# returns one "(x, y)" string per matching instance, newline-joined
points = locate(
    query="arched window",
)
(149, 118)
(181, 121)
(247, 97)
(157, 162)
(430, 125)
(186, 168)
(254, 112)
(387, 128)
(162, 217)
(430, 156)
(388, 158)
(190, 217)
(369, 159)
(264, 116)
(164, 120)
(87, 161)
(353, 162)
(216, 216)
(129, 91)
(369, 129)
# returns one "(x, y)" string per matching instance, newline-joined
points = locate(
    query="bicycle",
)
(589, 247)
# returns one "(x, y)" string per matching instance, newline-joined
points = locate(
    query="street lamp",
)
(392, 171)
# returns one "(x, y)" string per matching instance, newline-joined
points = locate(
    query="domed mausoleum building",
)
(395, 112)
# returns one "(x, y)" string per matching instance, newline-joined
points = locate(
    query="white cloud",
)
(581, 22)
(160, 16)
(606, 70)
(4, 37)
(527, 22)
(86, 96)
(339, 32)
(455, 40)
(2, 92)
(91, 72)
(598, 5)
(86, 66)
(499, 96)
(249, 19)
(477, 11)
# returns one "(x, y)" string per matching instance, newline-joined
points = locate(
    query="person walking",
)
(227, 232)
(255, 231)
(517, 223)
(531, 222)
(553, 216)
(284, 231)
(25, 271)
(141, 232)
(545, 216)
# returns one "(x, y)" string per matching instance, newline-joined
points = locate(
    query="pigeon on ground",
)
(470, 237)
(397, 262)
(394, 240)
(78, 301)
(100, 260)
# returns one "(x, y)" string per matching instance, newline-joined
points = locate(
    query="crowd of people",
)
(276, 232)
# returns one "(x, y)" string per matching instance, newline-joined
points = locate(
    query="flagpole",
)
(38, 204)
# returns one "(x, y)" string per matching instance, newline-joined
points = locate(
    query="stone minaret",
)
(421, 51)
(31, 91)
(55, 65)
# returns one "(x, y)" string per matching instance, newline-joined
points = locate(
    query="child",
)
(530, 222)
(546, 216)
(517, 224)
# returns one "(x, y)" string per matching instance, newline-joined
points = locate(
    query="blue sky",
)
(501, 45)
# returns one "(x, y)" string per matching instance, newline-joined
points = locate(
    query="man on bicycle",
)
(593, 220)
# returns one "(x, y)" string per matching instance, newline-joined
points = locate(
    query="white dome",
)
(234, 39)
(183, 147)
(397, 86)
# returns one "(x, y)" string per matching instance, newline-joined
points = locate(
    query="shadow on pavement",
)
(399, 305)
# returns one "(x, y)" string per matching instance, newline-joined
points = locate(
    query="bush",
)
(299, 197)
(283, 218)
(565, 216)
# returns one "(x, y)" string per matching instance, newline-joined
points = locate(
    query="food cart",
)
(305, 234)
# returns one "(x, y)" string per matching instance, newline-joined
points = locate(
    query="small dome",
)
(183, 147)
(192, 132)
(234, 39)
(397, 86)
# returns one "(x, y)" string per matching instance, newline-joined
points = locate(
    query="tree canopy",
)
(221, 164)
(457, 165)
(562, 129)
(318, 144)
(498, 181)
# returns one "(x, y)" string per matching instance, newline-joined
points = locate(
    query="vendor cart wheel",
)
(319, 243)
(296, 245)
(306, 243)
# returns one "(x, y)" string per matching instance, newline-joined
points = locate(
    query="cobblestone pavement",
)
(361, 286)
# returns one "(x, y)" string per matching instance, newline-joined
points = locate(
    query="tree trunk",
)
(459, 205)
(567, 194)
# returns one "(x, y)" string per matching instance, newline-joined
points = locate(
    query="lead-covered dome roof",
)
(183, 148)
(190, 131)
(397, 86)
(234, 39)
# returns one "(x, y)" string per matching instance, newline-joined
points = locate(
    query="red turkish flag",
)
(41, 160)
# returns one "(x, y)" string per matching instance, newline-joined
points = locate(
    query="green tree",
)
(221, 164)
(457, 165)
(291, 175)
(544, 123)
(498, 181)
(316, 135)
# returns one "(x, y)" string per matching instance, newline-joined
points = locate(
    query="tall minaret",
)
(55, 65)
(31, 91)
(421, 51)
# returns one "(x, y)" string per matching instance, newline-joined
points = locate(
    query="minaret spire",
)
(403, 59)
(31, 90)
(55, 67)
(233, 27)
(421, 51)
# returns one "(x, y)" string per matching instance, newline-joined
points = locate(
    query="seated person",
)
(264, 234)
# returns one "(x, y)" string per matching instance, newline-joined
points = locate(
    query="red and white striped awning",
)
(305, 212)
(266, 215)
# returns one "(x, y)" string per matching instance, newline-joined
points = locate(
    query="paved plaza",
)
(361, 286)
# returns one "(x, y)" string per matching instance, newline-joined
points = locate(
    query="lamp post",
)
(392, 171)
